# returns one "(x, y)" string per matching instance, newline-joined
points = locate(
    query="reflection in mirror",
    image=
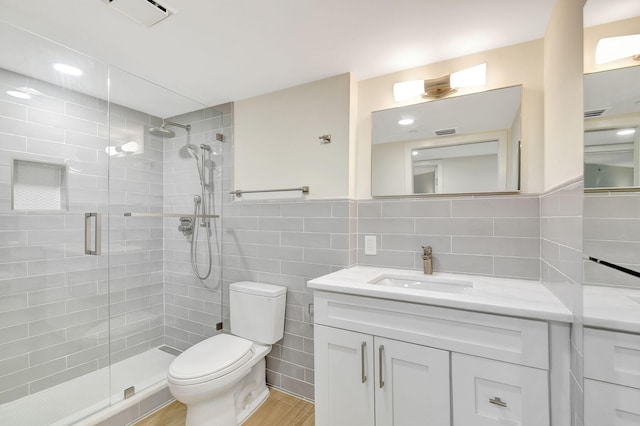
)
(610, 158)
(470, 167)
(457, 145)
(612, 117)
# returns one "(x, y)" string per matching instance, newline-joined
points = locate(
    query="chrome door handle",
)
(497, 401)
(96, 231)
(380, 362)
(363, 349)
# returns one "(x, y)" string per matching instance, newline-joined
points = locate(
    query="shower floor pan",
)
(84, 400)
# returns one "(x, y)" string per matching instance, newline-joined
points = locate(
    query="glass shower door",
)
(54, 299)
(164, 246)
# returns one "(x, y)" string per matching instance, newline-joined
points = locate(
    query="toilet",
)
(221, 380)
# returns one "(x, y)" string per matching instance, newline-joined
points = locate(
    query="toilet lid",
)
(213, 355)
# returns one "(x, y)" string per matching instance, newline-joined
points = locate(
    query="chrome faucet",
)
(426, 259)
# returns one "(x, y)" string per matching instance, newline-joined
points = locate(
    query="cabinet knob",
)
(497, 401)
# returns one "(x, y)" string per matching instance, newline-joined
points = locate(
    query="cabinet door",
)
(343, 377)
(492, 393)
(610, 405)
(412, 384)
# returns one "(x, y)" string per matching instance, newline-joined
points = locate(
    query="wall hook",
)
(325, 139)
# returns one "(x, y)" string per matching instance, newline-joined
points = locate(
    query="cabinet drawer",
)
(612, 357)
(491, 393)
(515, 340)
(610, 405)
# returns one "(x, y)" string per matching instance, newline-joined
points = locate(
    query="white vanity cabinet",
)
(385, 362)
(373, 380)
(612, 378)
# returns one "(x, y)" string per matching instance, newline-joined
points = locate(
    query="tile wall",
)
(612, 233)
(288, 243)
(561, 219)
(489, 235)
(193, 306)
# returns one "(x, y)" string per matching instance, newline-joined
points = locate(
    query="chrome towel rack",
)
(239, 192)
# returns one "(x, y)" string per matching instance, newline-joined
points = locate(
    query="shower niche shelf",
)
(37, 185)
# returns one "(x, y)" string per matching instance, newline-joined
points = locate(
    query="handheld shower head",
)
(192, 150)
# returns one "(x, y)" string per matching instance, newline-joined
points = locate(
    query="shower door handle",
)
(97, 230)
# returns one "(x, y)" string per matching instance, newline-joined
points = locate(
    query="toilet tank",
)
(257, 311)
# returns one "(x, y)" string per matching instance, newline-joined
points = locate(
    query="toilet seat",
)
(210, 359)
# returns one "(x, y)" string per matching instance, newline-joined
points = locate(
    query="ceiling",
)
(215, 51)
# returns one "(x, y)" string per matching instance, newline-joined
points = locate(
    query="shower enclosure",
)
(101, 282)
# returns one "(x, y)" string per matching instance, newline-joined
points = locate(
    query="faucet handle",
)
(427, 250)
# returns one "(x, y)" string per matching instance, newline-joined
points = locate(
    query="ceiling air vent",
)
(444, 132)
(595, 113)
(146, 12)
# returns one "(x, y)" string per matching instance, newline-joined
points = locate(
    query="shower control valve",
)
(186, 225)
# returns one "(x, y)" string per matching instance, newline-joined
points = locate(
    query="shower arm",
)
(187, 127)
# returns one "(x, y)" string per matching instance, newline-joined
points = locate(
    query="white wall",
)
(563, 100)
(470, 174)
(277, 143)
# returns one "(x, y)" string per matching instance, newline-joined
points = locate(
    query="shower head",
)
(163, 132)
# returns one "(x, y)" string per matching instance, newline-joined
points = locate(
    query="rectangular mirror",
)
(466, 144)
(612, 118)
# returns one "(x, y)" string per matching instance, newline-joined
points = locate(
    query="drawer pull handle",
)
(363, 349)
(380, 362)
(497, 401)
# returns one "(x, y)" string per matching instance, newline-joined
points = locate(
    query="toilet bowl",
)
(221, 380)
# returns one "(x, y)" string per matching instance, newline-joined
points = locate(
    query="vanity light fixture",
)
(67, 69)
(611, 49)
(442, 86)
(626, 132)
(405, 121)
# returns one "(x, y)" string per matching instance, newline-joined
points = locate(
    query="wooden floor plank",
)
(173, 414)
(280, 409)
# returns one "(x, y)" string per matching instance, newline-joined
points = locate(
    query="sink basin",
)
(426, 283)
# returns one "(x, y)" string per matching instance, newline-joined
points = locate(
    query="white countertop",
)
(503, 296)
(616, 308)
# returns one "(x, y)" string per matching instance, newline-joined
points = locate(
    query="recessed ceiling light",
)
(405, 121)
(68, 69)
(18, 94)
(626, 132)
